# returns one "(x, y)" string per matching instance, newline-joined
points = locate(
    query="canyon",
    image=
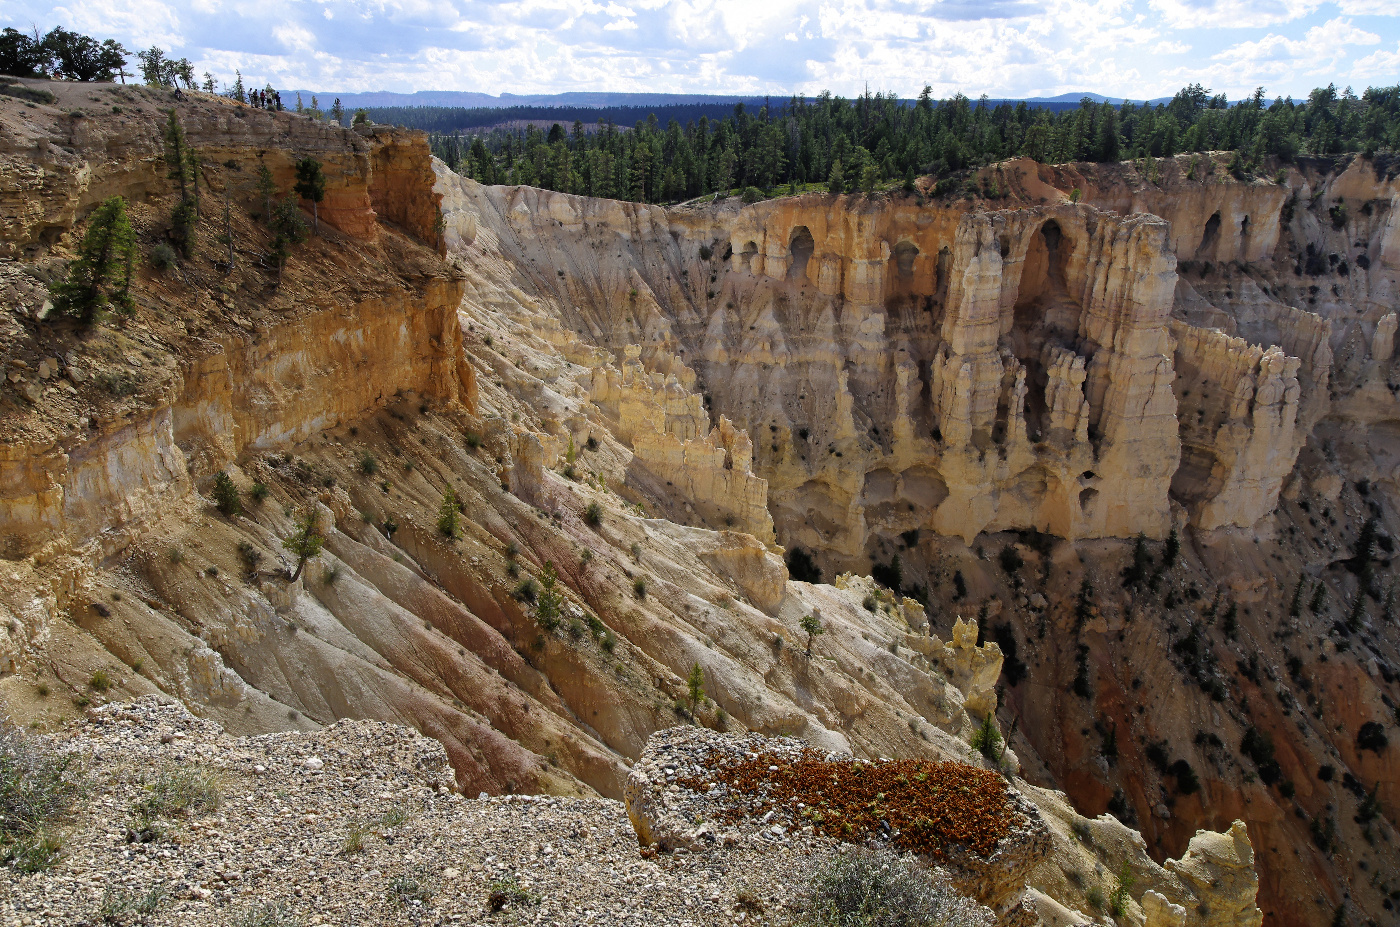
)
(1087, 460)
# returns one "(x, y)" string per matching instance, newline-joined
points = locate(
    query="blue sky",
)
(1133, 48)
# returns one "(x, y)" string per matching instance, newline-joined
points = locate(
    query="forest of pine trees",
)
(878, 139)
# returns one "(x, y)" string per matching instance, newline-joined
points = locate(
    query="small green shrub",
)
(250, 556)
(183, 791)
(986, 740)
(549, 608)
(368, 465)
(876, 888)
(473, 440)
(264, 914)
(1118, 901)
(527, 590)
(226, 497)
(258, 492)
(639, 588)
(100, 681)
(27, 93)
(38, 788)
(408, 889)
(507, 893)
(163, 257)
(118, 904)
(593, 514)
(355, 838)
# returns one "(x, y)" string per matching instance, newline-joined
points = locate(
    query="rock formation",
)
(667, 426)
(679, 798)
(558, 471)
(1239, 411)
(901, 370)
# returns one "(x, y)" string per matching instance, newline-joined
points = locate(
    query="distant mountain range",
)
(470, 100)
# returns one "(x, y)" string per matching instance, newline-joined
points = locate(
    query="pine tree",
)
(836, 182)
(1171, 550)
(306, 542)
(155, 67)
(812, 625)
(182, 227)
(1295, 607)
(448, 515)
(311, 185)
(226, 497)
(338, 112)
(176, 160)
(549, 607)
(869, 179)
(1319, 599)
(288, 229)
(226, 237)
(267, 189)
(695, 688)
(193, 163)
(101, 274)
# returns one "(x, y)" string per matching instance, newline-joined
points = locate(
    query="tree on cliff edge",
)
(311, 185)
(101, 275)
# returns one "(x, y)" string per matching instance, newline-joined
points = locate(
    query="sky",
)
(1138, 49)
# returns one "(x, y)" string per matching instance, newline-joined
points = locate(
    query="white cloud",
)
(1273, 58)
(1379, 67)
(1002, 47)
(1194, 14)
(1368, 7)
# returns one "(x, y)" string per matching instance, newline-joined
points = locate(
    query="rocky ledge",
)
(179, 823)
(695, 790)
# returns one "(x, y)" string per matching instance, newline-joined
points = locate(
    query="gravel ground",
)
(280, 846)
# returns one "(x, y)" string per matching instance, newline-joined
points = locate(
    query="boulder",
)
(696, 790)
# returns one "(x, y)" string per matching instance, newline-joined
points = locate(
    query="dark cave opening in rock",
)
(800, 247)
(1209, 238)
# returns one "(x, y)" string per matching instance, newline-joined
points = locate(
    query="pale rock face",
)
(1213, 884)
(892, 367)
(971, 668)
(1219, 868)
(1238, 424)
(1160, 912)
(758, 573)
(669, 430)
(1383, 341)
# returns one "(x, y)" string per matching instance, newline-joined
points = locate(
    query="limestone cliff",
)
(649, 408)
(895, 367)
